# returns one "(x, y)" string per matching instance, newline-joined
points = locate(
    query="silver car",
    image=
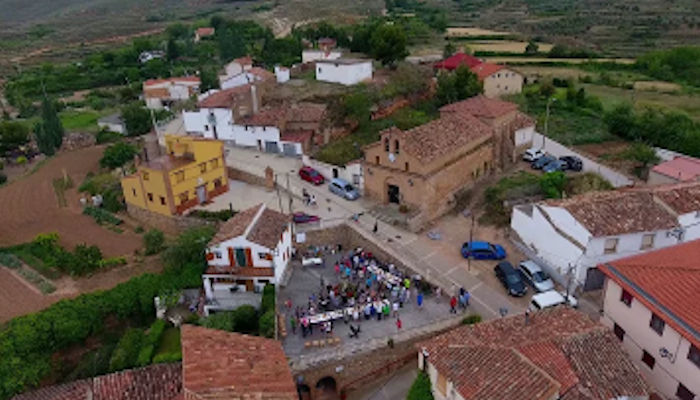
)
(534, 275)
(343, 189)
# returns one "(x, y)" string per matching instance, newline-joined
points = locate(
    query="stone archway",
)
(392, 191)
(304, 391)
(326, 389)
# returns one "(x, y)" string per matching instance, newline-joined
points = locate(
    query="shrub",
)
(145, 355)
(268, 299)
(101, 216)
(421, 388)
(112, 262)
(127, 351)
(107, 137)
(3, 178)
(10, 261)
(117, 155)
(223, 321)
(21, 160)
(553, 184)
(85, 259)
(150, 342)
(139, 229)
(188, 249)
(471, 319)
(153, 241)
(245, 319)
(167, 358)
(267, 324)
(222, 215)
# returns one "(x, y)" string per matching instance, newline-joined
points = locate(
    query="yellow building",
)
(192, 172)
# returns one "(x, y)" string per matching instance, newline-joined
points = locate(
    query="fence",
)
(557, 149)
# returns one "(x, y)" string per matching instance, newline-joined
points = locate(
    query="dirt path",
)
(17, 297)
(28, 207)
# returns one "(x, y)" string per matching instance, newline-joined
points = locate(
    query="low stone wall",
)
(247, 177)
(168, 224)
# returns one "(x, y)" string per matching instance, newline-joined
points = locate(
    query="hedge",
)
(268, 299)
(127, 351)
(101, 216)
(167, 357)
(471, 319)
(420, 389)
(10, 261)
(150, 343)
(267, 324)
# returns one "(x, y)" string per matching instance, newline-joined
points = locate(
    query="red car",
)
(311, 175)
(304, 218)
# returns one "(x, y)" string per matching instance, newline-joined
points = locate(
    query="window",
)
(217, 254)
(146, 176)
(206, 127)
(648, 359)
(626, 298)
(619, 332)
(183, 197)
(406, 167)
(134, 192)
(150, 197)
(217, 183)
(694, 355)
(683, 393)
(647, 241)
(265, 256)
(162, 200)
(396, 146)
(203, 167)
(611, 245)
(657, 324)
(215, 163)
(376, 160)
(180, 176)
(386, 144)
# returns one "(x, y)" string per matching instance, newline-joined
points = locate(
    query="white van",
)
(546, 299)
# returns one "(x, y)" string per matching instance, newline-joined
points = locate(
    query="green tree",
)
(643, 155)
(388, 44)
(172, 50)
(245, 319)
(532, 47)
(127, 351)
(136, 118)
(12, 135)
(153, 241)
(231, 44)
(209, 77)
(48, 131)
(421, 388)
(188, 249)
(547, 89)
(458, 85)
(117, 155)
(553, 184)
(267, 324)
(223, 321)
(85, 259)
(283, 51)
(621, 120)
(357, 104)
(449, 49)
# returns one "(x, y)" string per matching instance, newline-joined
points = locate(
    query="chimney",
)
(254, 95)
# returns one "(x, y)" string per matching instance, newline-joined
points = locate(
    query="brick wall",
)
(168, 224)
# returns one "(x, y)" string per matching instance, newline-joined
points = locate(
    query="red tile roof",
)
(666, 281)
(265, 230)
(224, 365)
(481, 106)
(618, 212)
(485, 70)
(266, 117)
(155, 382)
(247, 60)
(558, 350)
(457, 59)
(223, 98)
(235, 226)
(680, 168)
(682, 198)
(261, 73)
(296, 136)
(205, 31)
(442, 136)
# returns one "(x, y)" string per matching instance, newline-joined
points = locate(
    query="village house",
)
(326, 51)
(249, 251)
(498, 80)
(424, 168)
(201, 33)
(191, 172)
(215, 364)
(217, 111)
(679, 169)
(570, 237)
(241, 72)
(651, 302)
(346, 71)
(552, 354)
(162, 93)
(112, 123)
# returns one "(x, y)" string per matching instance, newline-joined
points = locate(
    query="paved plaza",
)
(305, 281)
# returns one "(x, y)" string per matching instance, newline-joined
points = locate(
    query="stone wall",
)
(247, 177)
(169, 224)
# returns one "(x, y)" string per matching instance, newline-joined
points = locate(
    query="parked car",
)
(483, 251)
(304, 218)
(554, 166)
(542, 161)
(532, 154)
(311, 175)
(572, 162)
(534, 275)
(510, 278)
(550, 298)
(343, 189)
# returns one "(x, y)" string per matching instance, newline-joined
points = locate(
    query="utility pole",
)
(279, 198)
(546, 120)
(471, 237)
(289, 193)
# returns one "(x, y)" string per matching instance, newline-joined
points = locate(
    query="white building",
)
(652, 304)
(571, 237)
(351, 172)
(240, 72)
(346, 71)
(282, 74)
(112, 123)
(312, 55)
(160, 93)
(249, 251)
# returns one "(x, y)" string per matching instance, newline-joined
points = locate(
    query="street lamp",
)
(546, 120)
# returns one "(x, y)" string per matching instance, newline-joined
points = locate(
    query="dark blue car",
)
(483, 251)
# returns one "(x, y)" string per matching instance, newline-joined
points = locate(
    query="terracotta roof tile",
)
(481, 106)
(680, 168)
(442, 136)
(155, 382)
(206, 31)
(485, 70)
(457, 59)
(268, 228)
(236, 226)
(306, 112)
(266, 117)
(665, 281)
(223, 98)
(224, 365)
(557, 350)
(296, 136)
(261, 73)
(618, 212)
(682, 198)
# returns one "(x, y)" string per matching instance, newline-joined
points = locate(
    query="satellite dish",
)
(392, 157)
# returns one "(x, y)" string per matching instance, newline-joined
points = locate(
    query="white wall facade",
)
(351, 172)
(691, 225)
(308, 56)
(639, 336)
(112, 127)
(503, 82)
(282, 74)
(346, 74)
(228, 82)
(523, 137)
(198, 122)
